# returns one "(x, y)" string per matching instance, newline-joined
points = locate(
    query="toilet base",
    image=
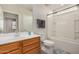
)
(47, 50)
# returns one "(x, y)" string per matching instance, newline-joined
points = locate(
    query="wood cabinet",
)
(34, 51)
(18, 51)
(27, 46)
(31, 45)
(31, 41)
(6, 48)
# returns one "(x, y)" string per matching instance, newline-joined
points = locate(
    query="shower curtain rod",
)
(62, 9)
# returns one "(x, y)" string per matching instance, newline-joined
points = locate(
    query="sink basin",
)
(11, 37)
(6, 39)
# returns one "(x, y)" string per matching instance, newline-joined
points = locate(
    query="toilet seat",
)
(48, 43)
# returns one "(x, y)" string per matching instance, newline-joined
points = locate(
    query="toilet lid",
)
(49, 42)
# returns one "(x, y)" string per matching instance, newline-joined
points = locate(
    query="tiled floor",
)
(42, 52)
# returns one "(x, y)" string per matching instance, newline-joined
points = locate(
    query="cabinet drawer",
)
(30, 47)
(34, 51)
(9, 47)
(18, 51)
(31, 41)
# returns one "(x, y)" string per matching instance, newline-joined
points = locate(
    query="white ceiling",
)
(27, 6)
(51, 6)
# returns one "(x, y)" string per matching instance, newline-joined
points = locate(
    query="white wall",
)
(39, 12)
(27, 22)
(23, 14)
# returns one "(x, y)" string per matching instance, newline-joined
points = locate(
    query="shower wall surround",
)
(66, 31)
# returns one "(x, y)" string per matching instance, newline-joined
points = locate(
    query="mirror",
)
(1, 26)
(15, 18)
(10, 22)
(1, 21)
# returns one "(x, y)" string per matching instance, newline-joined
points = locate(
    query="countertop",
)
(13, 37)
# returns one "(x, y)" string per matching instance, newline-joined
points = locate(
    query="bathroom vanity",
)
(29, 44)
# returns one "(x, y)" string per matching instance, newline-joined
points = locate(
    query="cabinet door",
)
(31, 41)
(18, 51)
(30, 47)
(34, 51)
(6, 48)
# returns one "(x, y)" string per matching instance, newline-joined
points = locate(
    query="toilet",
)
(48, 46)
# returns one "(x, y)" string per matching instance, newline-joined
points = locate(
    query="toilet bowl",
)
(48, 46)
